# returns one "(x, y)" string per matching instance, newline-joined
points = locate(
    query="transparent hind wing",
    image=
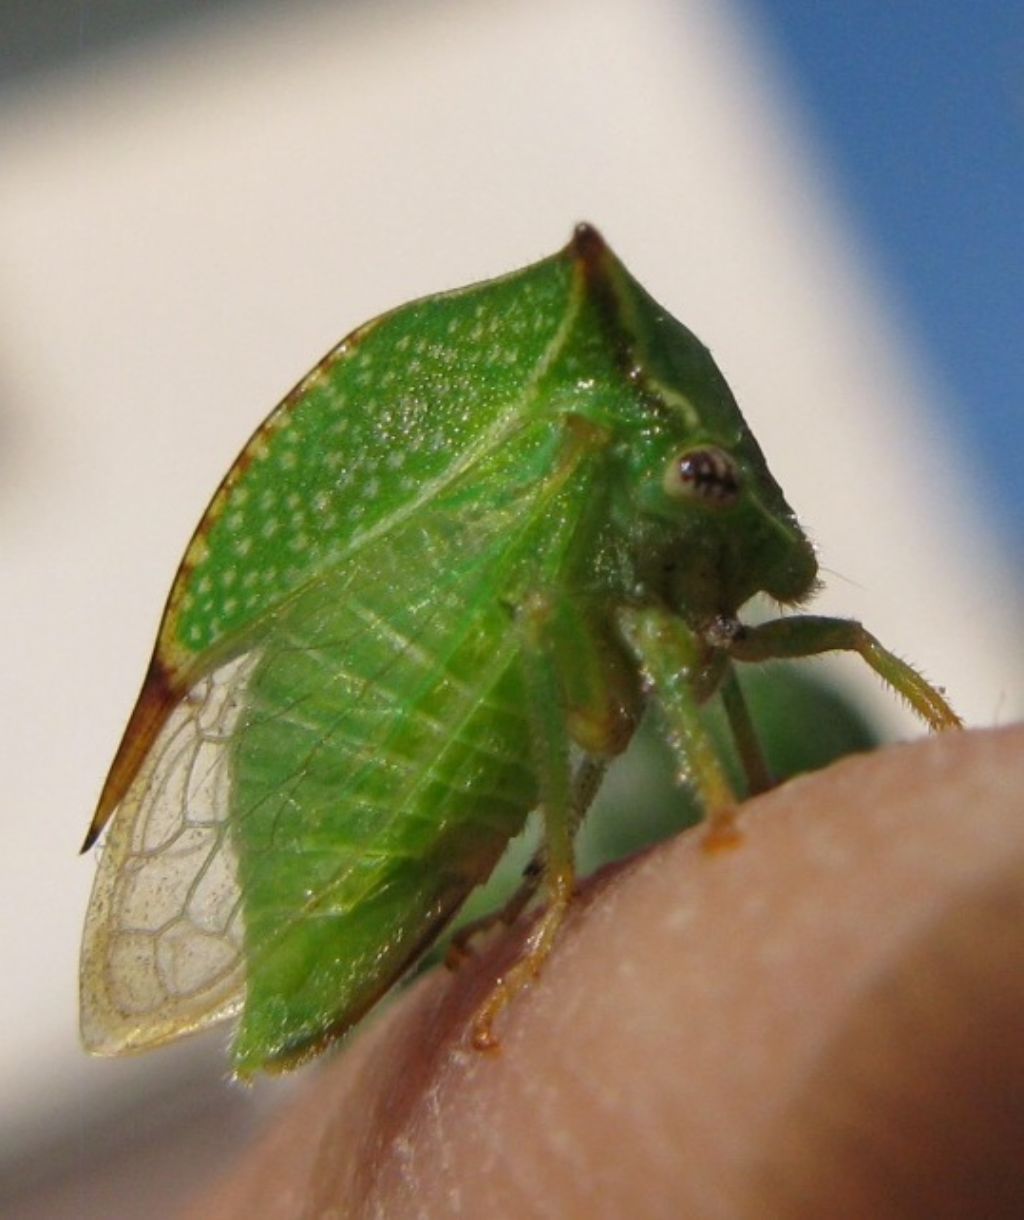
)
(162, 953)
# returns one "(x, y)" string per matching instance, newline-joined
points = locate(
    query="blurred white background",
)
(187, 223)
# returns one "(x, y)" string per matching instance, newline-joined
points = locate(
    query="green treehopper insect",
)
(437, 589)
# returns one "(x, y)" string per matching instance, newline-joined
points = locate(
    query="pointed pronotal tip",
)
(91, 835)
(586, 240)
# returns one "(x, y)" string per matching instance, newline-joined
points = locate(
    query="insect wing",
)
(163, 942)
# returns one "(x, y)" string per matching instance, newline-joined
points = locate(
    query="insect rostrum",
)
(489, 527)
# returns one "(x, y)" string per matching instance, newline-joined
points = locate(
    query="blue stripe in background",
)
(921, 107)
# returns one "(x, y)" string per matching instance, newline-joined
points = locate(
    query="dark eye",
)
(707, 474)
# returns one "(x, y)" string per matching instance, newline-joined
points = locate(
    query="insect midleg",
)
(807, 635)
(748, 744)
(670, 659)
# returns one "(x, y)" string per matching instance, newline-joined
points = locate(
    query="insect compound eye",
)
(707, 474)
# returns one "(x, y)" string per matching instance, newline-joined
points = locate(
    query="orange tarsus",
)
(718, 839)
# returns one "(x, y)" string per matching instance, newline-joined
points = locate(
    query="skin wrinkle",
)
(762, 1070)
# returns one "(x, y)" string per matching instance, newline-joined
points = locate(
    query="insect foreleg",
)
(671, 660)
(808, 635)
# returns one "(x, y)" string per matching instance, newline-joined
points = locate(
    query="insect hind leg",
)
(570, 696)
(586, 781)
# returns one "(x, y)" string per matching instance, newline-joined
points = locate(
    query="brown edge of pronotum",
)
(169, 675)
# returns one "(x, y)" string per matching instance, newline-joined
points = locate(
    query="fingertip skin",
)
(796, 1027)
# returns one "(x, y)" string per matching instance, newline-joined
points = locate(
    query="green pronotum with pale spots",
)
(437, 589)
